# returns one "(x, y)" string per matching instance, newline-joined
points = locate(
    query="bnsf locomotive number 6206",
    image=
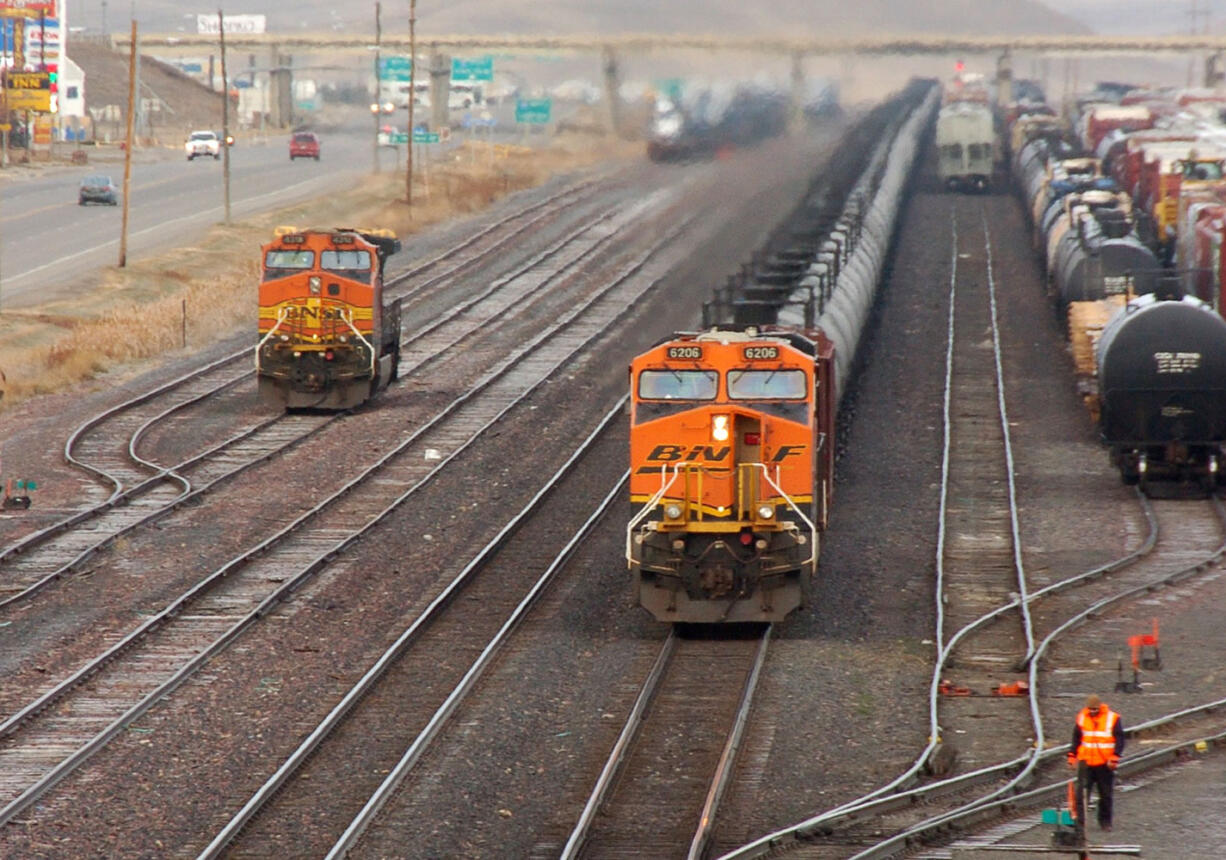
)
(731, 464)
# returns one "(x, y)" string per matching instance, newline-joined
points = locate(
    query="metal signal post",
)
(127, 152)
(225, 115)
(408, 173)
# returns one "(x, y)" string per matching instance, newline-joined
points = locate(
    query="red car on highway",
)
(303, 144)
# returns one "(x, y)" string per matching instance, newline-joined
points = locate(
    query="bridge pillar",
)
(1004, 78)
(798, 90)
(440, 91)
(1215, 70)
(612, 90)
(280, 90)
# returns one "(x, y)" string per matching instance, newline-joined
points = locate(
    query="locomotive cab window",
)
(767, 385)
(678, 384)
(279, 263)
(348, 263)
(951, 150)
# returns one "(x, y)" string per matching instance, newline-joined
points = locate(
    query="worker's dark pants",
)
(1102, 778)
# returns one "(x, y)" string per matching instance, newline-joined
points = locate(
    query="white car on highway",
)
(202, 143)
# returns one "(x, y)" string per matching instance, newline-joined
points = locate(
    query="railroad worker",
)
(1098, 743)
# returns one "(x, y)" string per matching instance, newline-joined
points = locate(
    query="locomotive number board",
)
(685, 352)
(761, 353)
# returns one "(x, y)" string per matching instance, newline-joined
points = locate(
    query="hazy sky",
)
(1146, 16)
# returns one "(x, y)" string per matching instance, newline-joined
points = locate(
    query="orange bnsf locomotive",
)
(731, 472)
(327, 340)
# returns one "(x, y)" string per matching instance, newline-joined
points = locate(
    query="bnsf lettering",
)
(786, 451)
(761, 352)
(685, 352)
(298, 312)
(677, 453)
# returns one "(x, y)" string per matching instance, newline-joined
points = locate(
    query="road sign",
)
(533, 110)
(425, 137)
(475, 69)
(398, 137)
(395, 68)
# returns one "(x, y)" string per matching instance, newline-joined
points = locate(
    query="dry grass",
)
(193, 297)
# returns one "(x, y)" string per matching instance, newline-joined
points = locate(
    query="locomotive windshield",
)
(767, 385)
(279, 263)
(344, 262)
(678, 384)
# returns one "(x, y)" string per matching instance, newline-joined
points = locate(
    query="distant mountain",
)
(826, 17)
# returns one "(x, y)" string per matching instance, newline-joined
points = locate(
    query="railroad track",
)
(894, 820)
(144, 492)
(979, 562)
(687, 721)
(153, 659)
(387, 721)
(140, 491)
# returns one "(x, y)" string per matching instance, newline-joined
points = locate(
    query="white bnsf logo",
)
(1177, 362)
(1116, 285)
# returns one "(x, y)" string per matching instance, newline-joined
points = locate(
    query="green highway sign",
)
(533, 110)
(395, 68)
(425, 137)
(475, 69)
(398, 137)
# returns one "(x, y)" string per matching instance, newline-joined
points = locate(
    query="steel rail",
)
(66, 766)
(617, 757)
(445, 711)
(119, 495)
(388, 659)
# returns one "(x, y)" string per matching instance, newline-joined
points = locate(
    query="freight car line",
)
(692, 695)
(294, 557)
(118, 515)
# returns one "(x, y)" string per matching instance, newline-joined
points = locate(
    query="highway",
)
(50, 245)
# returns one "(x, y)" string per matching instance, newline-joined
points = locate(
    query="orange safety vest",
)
(1097, 736)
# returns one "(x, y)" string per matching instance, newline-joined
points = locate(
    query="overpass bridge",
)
(1005, 48)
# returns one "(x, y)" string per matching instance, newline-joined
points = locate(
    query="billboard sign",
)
(27, 8)
(238, 24)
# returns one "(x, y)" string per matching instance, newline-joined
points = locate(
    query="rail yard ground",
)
(843, 706)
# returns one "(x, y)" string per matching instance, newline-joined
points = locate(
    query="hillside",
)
(612, 16)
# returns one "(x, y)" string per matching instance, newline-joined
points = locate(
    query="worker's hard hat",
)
(1092, 702)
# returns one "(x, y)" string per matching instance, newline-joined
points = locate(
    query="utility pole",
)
(225, 115)
(127, 149)
(408, 173)
(377, 107)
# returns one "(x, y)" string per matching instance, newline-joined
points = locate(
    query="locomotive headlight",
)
(719, 428)
(672, 511)
(314, 284)
(343, 338)
(765, 512)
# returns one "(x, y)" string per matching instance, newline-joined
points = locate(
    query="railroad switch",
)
(1122, 686)
(1145, 652)
(1017, 688)
(17, 494)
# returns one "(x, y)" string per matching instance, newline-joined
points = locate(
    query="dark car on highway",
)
(304, 144)
(98, 189)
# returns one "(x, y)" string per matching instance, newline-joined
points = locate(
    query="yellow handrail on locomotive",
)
(282, 314)
(746, 510)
